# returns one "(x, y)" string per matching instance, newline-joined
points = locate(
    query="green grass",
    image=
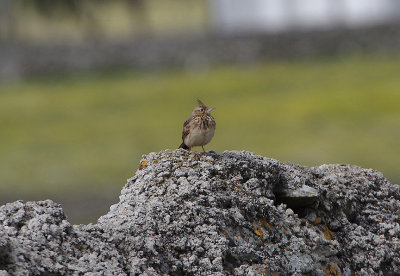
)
(86, 133)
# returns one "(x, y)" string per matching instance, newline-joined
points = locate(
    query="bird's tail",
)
(183, 146)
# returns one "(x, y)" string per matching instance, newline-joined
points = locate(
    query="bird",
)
(199, 128)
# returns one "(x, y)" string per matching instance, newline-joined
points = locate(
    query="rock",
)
(301, 196)
(221, 214)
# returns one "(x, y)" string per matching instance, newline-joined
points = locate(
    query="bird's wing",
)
(186, 128)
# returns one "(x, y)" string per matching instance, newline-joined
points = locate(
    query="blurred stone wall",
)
(201, 51)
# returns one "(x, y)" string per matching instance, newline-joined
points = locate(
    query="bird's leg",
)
(204, 151)
(197, 154)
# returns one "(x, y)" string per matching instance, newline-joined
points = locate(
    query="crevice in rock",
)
(5, 257)
(230, 262)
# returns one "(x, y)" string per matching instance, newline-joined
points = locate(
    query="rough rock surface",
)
(224, 214)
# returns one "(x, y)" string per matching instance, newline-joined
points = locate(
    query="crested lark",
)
(199, 128)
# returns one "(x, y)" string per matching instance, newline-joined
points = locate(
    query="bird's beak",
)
(210, 109)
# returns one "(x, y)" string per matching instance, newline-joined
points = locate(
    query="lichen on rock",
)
(232, 213)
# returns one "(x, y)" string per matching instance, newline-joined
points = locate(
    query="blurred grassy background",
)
(83, 135)
(77, 137)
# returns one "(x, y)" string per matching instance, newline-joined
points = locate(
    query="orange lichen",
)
(318, 220)
(265, 270)
(328, 234)
(143, 164)
(259, 232)
(258, 228)
(242, 235)
(332, 270)
(265, 223)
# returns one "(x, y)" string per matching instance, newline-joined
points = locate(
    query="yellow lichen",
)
(238, 189)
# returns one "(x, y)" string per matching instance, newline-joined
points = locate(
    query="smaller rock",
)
(297, 198)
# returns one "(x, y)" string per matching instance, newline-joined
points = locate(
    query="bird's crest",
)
(201, 103)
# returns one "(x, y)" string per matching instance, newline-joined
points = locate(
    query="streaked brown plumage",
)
(199, 128)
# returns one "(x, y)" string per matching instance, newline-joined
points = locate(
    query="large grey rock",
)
(222, 214)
